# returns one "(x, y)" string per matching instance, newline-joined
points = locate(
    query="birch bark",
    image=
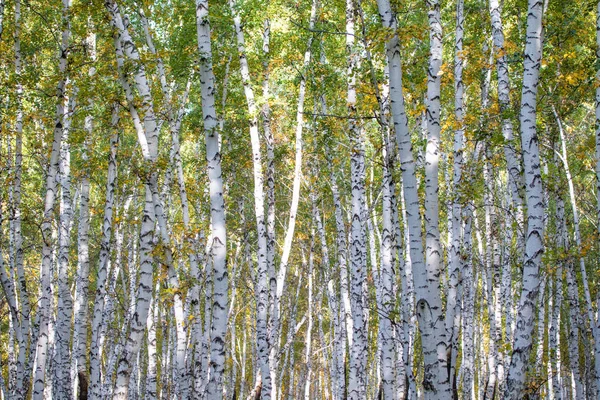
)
(453, 304)
(39, 378)
(468, 308)
(289, 235)
(387, 278)
(577, 383)
(148, 140)
(262, 287)
(555, 355)
(218, 234)
(8, 288)
(435, 381)
(358, 256)
(342, 256)
(80, 306)
(582, 269)
(309, 327)
(270, 175)
(16, 262)
(534, 246)
(433, 252)
(338, 378)
(103, 259)
(513, 165)
(151, 373)
(137, 324)
(62, 372)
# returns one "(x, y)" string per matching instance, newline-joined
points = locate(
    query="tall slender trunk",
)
(309, 327)
(491, 292)
(205, 357)
(513, 165)
(342, 257)
(515, 181)
(148, 140)
(338, 378)
(426, 281)
(80, 306)
(358, 257)
(45, 302)
(151, 373)
(534, 246)
(387, 279)
(62, 371)
(595, 331)
(468, 308)
(103, 259)
(270, 176)
(137, 324)
(577, 383)
(275, 316)
(555, 353)
(8, 287)
(262, 288)
(433, 252)
(453, 303)
(218, 243)
(16, 262)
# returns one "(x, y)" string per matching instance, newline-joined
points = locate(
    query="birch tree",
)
(534, 246)
(218, 234)
(39, 377)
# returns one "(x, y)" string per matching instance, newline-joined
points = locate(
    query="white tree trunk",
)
(512, 161)
(534, 246)
(309, 327)
(137, 324)
(218, 243)
(289, 235)
(148, 133)
(44, 309)
(489, 272)
(555, 355)
(577, 386)
(16, 259)
(270, 175)
(8, 288)
(80, 307)
(358, 257)
(151, 378)
(342, 258)
(468, 309)
(148, 140)
(103, 259)
(433, 251)
(262, 287)
(62, 371)
(453, 303)
(426, 283)
(338, 378)
(582, 270)
(387, 276)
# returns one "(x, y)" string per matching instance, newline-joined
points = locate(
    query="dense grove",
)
(318, 199)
